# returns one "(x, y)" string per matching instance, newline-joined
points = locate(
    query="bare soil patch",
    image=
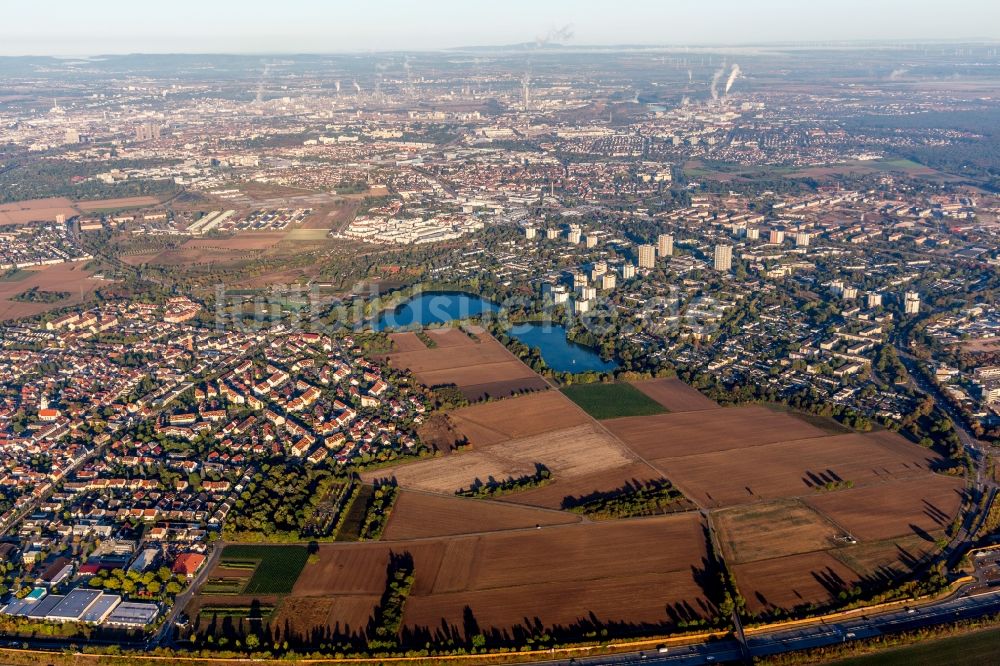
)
(239, 242)
(407, 342)
(515, 581)
(342, 615)
(439, 432)
(450, 337)
(772, 529)
(693, 433)
(503, 389)
(420, 515)
(659, 599)
(920, 505)
(35, 210)
(523, 416)
(568, 453)
(139, 259)
(792, 468)
(69, 277)
(124, 202)
(478, 368)
(675, 395)
(796, 580)
(886, 560)
(647, 571)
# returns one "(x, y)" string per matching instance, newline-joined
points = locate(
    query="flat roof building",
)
(132, 614)
(647, 256)
(101, 609)
(74, 605)
(665, 245)
(723, 257)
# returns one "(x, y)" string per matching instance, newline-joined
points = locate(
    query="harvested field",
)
(884, 560)
(419, 515)
(569, 453)
(183, 255)
(827, 424)
(662, 599)
(35, 210)
(239, 242)
(139, 259)
(551, 496)
(692, 433)
(345, 615)
(302, 234)
(474, 374)
(355, 569)
(407, 342)
(478, 369)
(796, 580)
(772, 529)
(792, 468)
(590, 551)
(124, 202)
(514, 579)
(450, 337)
(69, 277)
(503, 389)
(898, 508)
(506, 578)
(449, 474)
(675, 395)
(523, 416)
(444, 359)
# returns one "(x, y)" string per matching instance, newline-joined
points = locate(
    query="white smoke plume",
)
(556, 36)
(337, 86)
(357, 88)
(733, 75)
(897, 74)
(690, 76)
(260, 84)
(714, 88)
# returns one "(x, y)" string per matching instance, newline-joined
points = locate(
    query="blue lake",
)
(443, 307)
(430, 308)
(559, 353)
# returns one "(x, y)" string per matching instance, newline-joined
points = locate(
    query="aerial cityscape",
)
(572, 348)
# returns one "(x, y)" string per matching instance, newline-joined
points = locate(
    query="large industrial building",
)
(82, 605)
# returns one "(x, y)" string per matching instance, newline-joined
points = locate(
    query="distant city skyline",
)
(295, 26)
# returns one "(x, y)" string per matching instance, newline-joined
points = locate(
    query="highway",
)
(761, 644)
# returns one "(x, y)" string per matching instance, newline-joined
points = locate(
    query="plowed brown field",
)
(675, 395)
(420, 515)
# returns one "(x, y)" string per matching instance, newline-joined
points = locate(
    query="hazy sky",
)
(85, 27)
